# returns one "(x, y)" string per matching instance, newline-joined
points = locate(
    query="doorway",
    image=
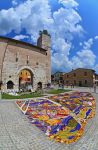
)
(39, 85)
(80, 83)
(25, 80)
(10, 85)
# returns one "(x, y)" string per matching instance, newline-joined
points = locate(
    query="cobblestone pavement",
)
(16, 133)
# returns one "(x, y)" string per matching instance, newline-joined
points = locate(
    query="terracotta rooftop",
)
(80, 69)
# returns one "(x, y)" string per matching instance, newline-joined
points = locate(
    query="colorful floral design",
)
(61, 117)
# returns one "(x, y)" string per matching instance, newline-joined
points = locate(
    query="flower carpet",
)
(61, 117)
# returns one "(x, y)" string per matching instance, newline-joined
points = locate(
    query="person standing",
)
(71, 86)
(94, 87)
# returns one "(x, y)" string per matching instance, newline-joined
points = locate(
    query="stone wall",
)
(3, 45)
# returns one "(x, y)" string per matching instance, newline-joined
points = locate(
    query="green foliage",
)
(29, 95)
(58, 91)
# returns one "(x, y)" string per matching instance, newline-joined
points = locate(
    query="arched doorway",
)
(10, 85)
(25, 80)
(39, 85)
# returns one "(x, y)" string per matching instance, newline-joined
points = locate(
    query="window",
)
(61, 78)
(85, 73)
(67, 82)
(17, 56)
(37, 63)
(80, 83)
(74, 74)
(29, 79)
(74, 82)
(67, 75)
(46, 64)
(27, 61)
(16, 59)
(85, 81)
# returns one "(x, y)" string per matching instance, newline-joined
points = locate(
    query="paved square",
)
(61, 117)
(16, 133)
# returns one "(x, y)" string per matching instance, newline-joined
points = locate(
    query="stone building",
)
(57, 77)
(80, 77)
(95, 78)
(23, 65)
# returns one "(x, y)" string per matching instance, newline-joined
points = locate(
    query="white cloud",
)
(96, 37)
(88, 44)
(14, 2)
(35, 16)
(20, 37)
(69, 3)
(85, 57)
(9, 20)
(62, 24)
(81, 44)
(67, 21)
(96, 68)
(61, 46)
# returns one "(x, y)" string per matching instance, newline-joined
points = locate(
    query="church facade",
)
(24, 66)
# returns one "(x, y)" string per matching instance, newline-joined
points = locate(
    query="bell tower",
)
(44, 41)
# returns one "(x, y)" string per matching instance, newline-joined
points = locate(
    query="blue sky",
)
(73, 26)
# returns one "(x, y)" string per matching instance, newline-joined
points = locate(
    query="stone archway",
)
(25, 80)
(10, 85)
